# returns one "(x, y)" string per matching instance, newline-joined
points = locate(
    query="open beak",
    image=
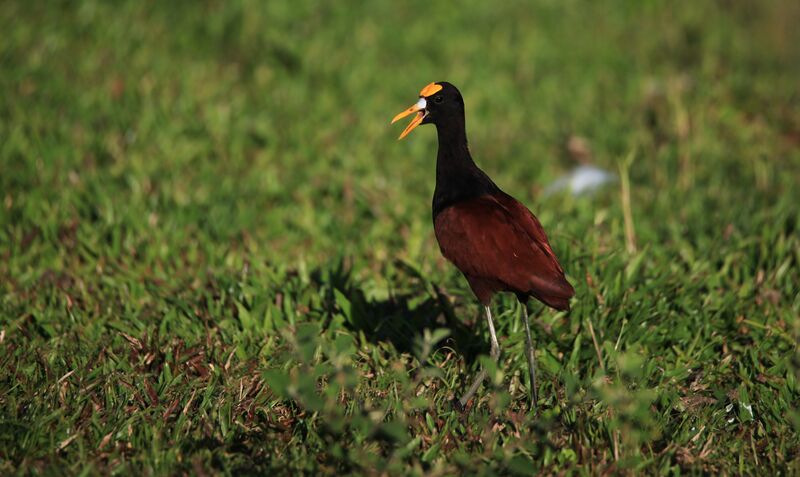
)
(419, 108)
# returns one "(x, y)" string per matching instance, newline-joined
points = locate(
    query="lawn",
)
(215, 257)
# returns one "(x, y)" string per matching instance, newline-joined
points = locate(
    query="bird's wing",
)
(497, 238)
(531, 225)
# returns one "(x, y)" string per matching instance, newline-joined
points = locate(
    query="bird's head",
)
(438, 103)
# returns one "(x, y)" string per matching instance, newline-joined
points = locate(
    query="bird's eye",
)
(438, 99)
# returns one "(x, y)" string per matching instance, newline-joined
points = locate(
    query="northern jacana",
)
(492, 238)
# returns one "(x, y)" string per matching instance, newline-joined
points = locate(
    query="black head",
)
(445, 104)
(439, 103)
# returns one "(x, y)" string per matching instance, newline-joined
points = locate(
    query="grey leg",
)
(495, 354)
(531, 358)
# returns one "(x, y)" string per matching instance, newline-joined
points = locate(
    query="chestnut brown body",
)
(499, 245)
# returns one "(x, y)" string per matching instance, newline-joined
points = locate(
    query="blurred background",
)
(267, 122)
(212, 173)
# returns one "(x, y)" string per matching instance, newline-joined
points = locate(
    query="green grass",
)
(215, 257)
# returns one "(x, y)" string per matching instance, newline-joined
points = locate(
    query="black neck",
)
(457, 177)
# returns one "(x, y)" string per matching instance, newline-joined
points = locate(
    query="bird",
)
(492, 238)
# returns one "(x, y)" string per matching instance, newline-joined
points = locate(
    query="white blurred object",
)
(581, 180)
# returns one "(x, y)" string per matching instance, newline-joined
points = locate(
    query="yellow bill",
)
(418, 107)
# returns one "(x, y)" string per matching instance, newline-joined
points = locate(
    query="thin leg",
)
(531, 358)
(495, 354)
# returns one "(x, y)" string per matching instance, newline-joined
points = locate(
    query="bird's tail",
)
(555, 294)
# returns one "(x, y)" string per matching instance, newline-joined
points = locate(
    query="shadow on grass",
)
(400, 319)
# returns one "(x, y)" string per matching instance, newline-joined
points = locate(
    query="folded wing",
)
(499, 245)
